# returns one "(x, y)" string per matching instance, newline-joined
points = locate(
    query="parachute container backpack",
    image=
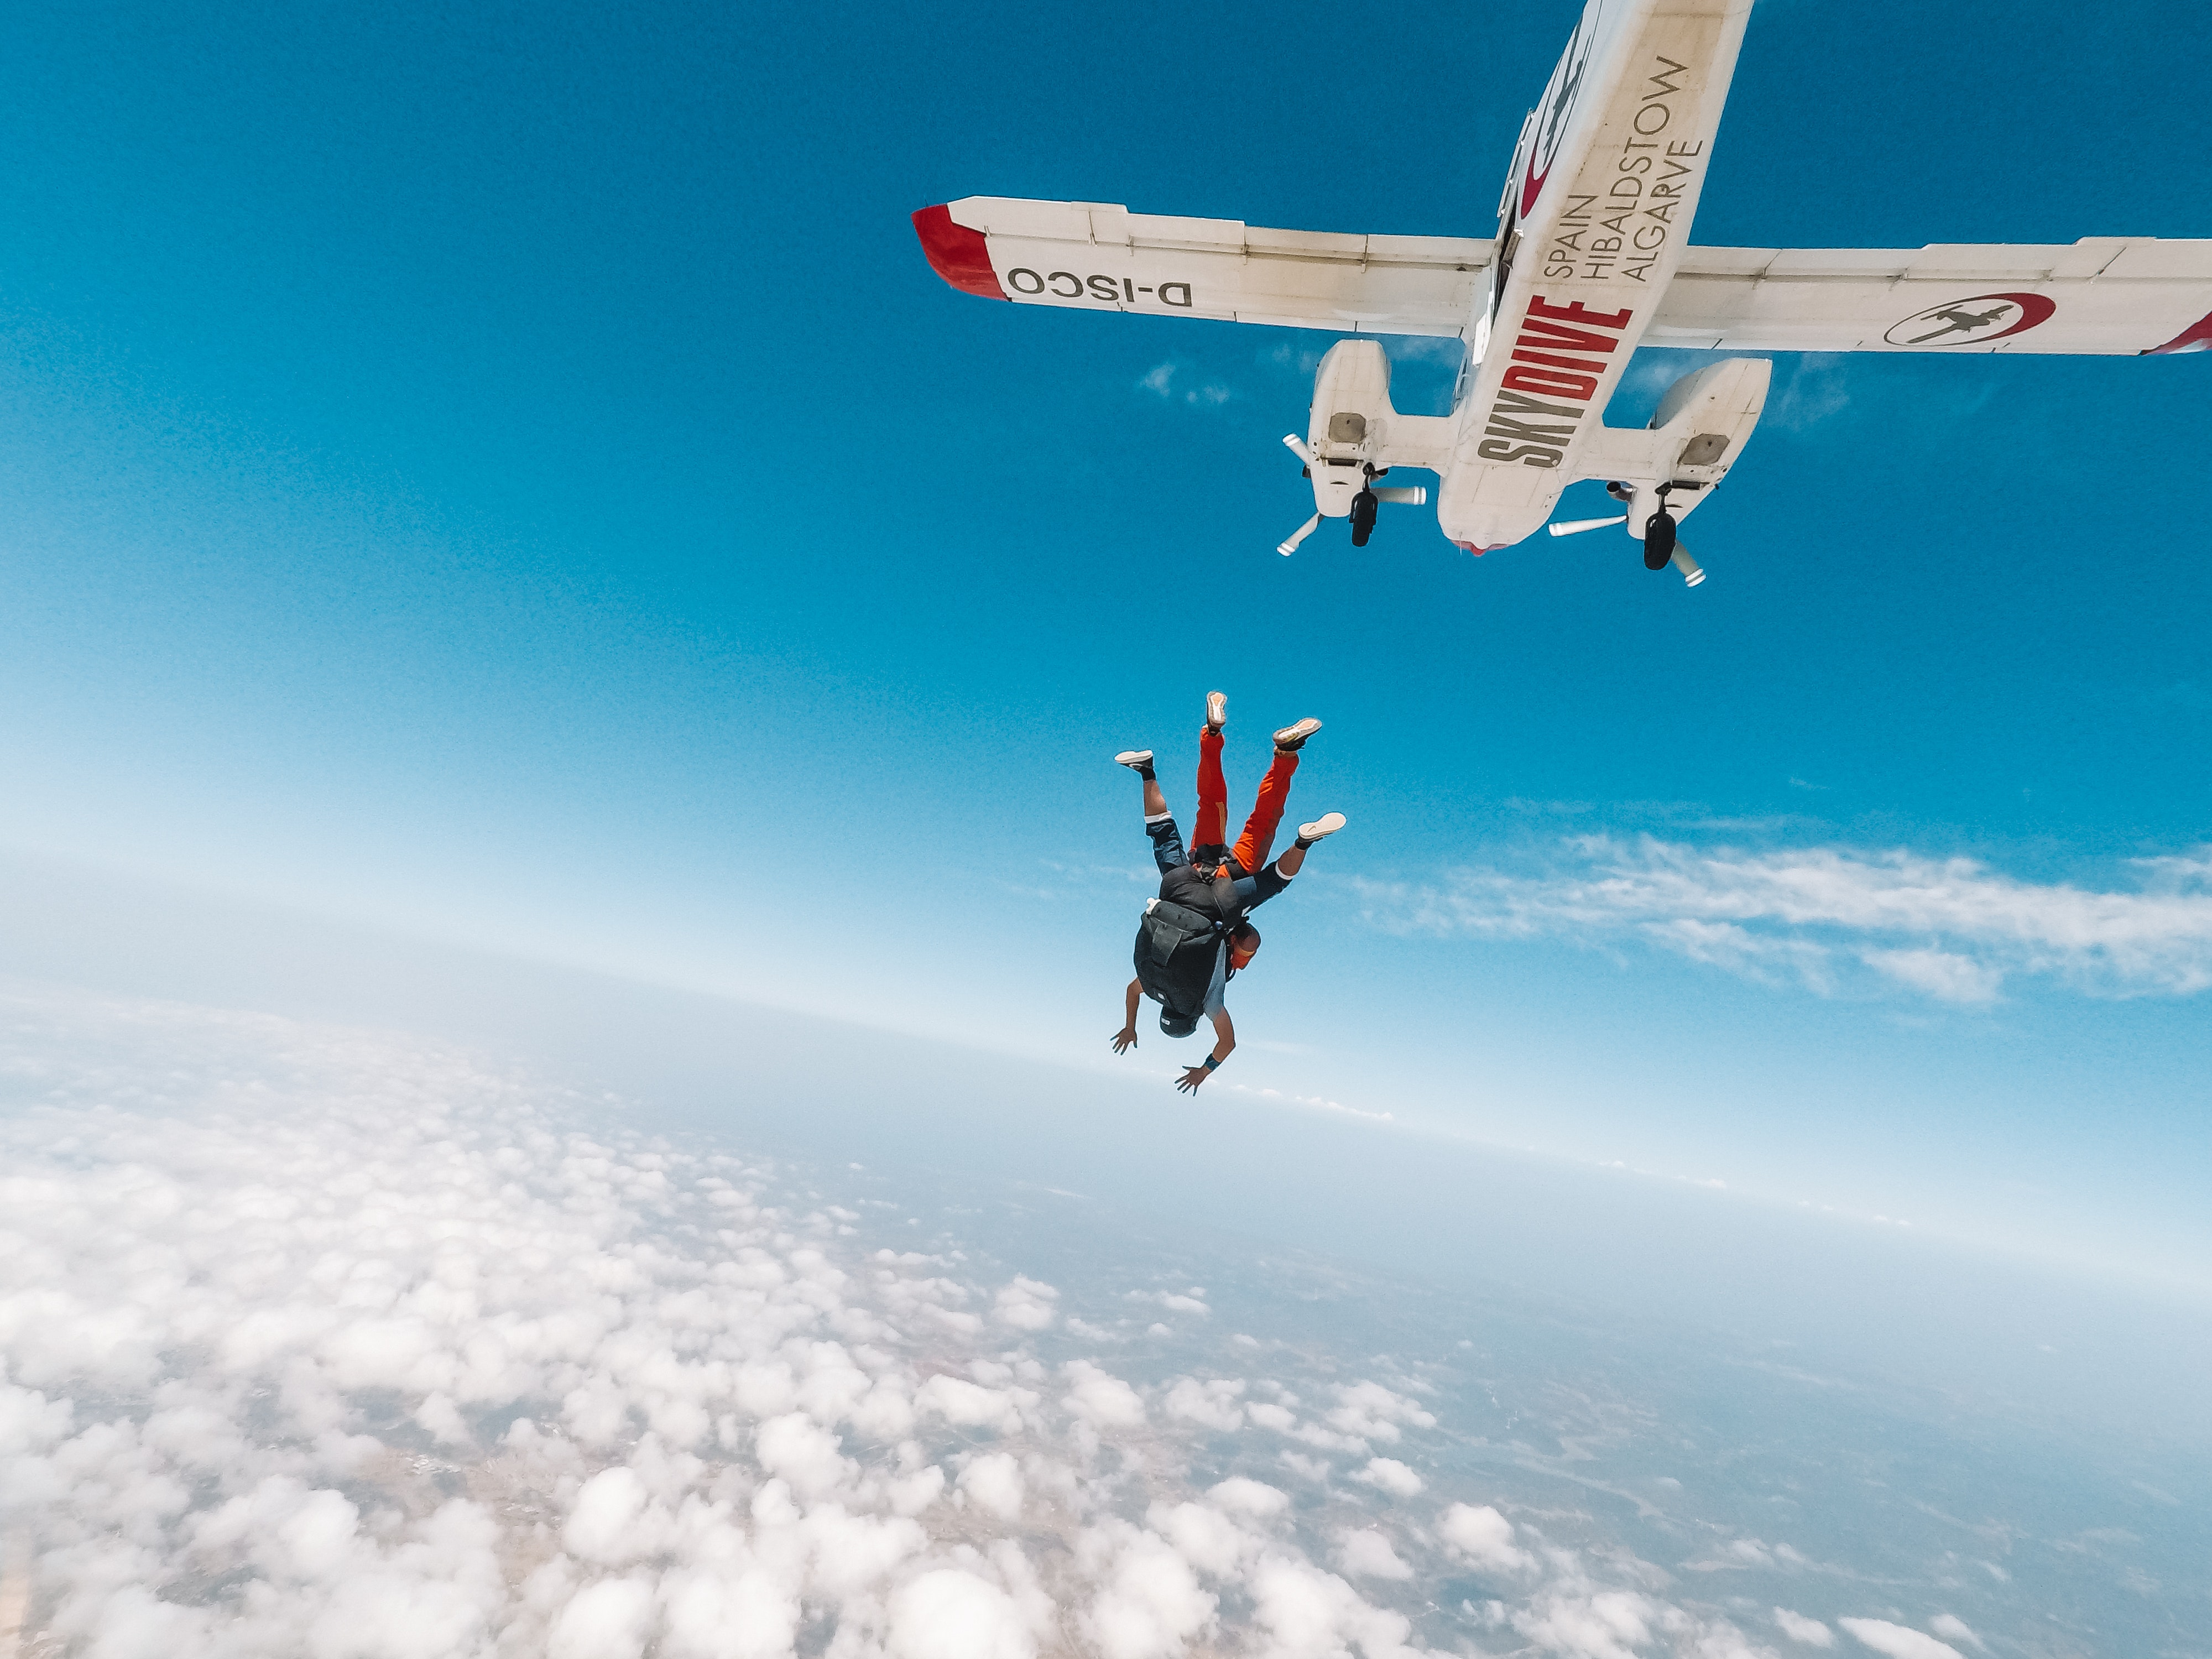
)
(1176, 949)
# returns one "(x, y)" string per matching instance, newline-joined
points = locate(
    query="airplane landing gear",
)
(1662, 545)
(1362, 508)
(1363, 505)
(1659, 535)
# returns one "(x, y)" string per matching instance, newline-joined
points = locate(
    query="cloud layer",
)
(319, 1343)
(1835, 917)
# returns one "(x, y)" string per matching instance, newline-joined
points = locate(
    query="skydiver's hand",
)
(1125, 1039)
(1192, 1077)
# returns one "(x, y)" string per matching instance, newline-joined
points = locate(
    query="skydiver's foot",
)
(1217, 710)
(1138, 761)
(1292, 739)
(1321, 829)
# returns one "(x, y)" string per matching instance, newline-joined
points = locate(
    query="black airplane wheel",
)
(1363, 517)
(1658, 540)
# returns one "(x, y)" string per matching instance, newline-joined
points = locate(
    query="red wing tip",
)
(2196, 338)
(961, 256)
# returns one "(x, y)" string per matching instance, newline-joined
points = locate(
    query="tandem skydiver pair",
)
(1195, 936)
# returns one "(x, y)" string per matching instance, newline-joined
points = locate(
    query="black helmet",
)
(1177, 1025)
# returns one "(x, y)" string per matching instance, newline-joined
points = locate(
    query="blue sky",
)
(509, 476)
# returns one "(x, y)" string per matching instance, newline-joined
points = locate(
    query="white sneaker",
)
(1217, 710)
(1135, 759)
(1322, 827)
(1293, 737)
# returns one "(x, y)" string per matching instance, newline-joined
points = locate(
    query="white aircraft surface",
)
(1592, 258)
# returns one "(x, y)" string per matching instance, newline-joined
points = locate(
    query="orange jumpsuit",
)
(1211, 829)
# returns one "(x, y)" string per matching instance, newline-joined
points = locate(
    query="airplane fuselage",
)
(1596, 215)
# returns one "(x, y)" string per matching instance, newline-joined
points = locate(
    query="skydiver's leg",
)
(1251, 850)
(1139, 760)
(1159, 822)
(1256, 891)
(1251, 854)
(1294, 858)
(1211, 829)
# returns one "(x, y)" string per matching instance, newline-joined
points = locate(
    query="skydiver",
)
(1202, 936)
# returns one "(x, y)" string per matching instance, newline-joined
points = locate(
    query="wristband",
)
(1210, 1062)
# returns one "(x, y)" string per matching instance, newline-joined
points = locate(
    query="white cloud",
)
(1798, 1628)
(1312, 1615)
(317, 1341)
(1391, 1476)
(1609, 1625)
(952, 1615)
(1943, 974)
(1160, 381)
(606, 1621)
(1212, 1405)
(1950, 1625)
(1026, 1305)
(1952, 929)
(1239, 1496)
(712, 1613)
(970, 1405)
(1204, 1536)
(1897, 1641)
(1151, 1604)
(1101, 1400)
(608, 1522)
(1367, 1554)
(803, 1452)
(1480, 1534)
(1445, 349)
(1368, 1411)
(1811, 391)
(1316, 1102)
(994, 1481)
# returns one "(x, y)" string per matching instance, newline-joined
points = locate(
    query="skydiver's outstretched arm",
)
(1126, 1038)
(1224, 1045)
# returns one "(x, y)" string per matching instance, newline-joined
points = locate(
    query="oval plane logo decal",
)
(1557, 105)
(1978, 321)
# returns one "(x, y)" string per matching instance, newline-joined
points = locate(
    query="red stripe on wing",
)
(2197, 336)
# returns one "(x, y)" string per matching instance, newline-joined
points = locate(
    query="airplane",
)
(1591, 258)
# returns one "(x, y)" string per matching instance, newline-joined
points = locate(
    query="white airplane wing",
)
(1094, 257)
(2118, 295)
(2103, 294)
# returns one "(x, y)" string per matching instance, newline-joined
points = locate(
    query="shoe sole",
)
(1327, 825)
(1133, 757)
(1298, 734)
(1217, 709)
